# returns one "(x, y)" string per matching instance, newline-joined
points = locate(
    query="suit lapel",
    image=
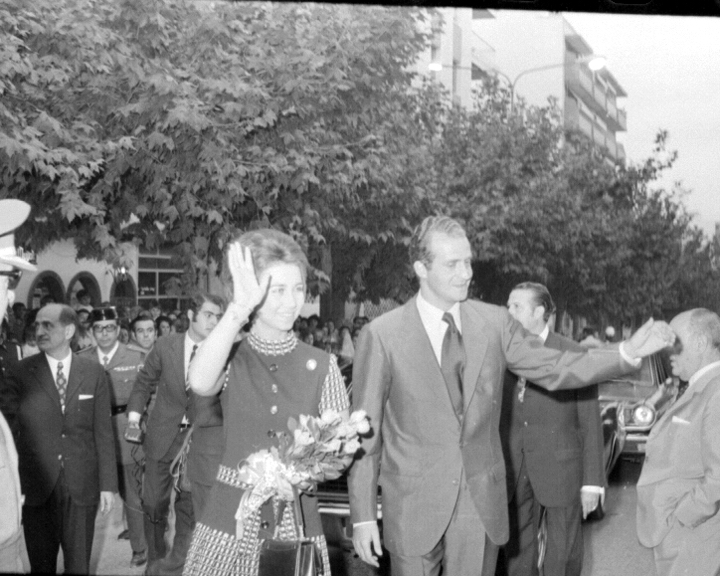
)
(417, 343)
(41, 371)
(686, 398)
(475, 343)
(74, 381)
(178, 349)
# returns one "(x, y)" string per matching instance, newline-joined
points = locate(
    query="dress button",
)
(264, 525)
(273, 367)
(271, 433)
(273, 409)
(274, 388)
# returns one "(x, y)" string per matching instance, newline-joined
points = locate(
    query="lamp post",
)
(594, 62)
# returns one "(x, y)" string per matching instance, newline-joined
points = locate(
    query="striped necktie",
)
(61, 383)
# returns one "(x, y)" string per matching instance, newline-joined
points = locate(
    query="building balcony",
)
(582, 82)
(575, 120)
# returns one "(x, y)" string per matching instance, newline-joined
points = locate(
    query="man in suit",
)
(122, 365)
(431, 384)
(165, 371)
(59, 407)
(553, 448)
(678, 493)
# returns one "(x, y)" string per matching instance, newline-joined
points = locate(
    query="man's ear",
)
(420, 269)
(69, 331)
(702, 342)
(190, 315)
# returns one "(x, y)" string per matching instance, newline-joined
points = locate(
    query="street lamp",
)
(593, 62)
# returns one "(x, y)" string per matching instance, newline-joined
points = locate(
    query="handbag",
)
(299, 557)
(178, 467)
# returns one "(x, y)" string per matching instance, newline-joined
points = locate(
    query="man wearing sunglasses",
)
(122, 366)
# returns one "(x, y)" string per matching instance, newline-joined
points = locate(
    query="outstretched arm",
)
(206, 370)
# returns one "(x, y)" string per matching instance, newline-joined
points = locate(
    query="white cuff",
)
(356, 524)
(636, 362)
(593, 490)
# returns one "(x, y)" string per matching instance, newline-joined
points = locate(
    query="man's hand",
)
(651, 337)
(589, 502)
(107, 500)
(366, 537)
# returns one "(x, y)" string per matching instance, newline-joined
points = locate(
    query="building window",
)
(159, 278)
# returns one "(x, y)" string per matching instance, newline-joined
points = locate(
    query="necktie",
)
(192, 355)
(61, 383)
(453, 362)
(106, 361)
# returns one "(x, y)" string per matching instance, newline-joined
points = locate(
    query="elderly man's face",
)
(52, 336)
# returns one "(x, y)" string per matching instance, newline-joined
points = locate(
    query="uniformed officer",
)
(122, 365)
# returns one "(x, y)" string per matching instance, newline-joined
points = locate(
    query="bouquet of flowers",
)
(317, 449)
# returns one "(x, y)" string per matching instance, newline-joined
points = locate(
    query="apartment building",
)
(541, 56)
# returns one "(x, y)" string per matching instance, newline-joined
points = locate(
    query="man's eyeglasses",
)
(108, 329)
(14, 276)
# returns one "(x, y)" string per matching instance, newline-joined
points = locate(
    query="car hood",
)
(624, 390)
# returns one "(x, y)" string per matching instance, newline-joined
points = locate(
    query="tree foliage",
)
(179, 122)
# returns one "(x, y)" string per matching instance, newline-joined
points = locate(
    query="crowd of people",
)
(458, 394)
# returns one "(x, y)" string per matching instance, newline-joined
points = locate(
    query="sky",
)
(670, 68)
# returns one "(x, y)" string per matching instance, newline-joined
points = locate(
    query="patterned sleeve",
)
(334, 395)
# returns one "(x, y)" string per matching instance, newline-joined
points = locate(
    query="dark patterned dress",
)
(266, 383)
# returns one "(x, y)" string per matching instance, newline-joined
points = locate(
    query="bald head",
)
(697, 343)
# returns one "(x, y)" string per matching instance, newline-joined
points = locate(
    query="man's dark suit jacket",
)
(559, 433)
(164, 370)
(80, 441)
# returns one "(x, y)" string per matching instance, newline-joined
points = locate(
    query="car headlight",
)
(643, 415)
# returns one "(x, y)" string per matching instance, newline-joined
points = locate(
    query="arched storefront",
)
(83, 281)
(46, 283)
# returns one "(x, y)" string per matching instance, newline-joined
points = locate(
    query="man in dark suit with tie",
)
(435, 450)
(58, 405)
(165, 371)
(553, 447)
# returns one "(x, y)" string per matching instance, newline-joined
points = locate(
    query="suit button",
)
(273, 367)
(525, 424)
(273, 409)
(455, 482)
(59, 456)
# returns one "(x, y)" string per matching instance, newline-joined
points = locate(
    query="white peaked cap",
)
(12, 214)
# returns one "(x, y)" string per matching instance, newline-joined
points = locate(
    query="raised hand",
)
(247, 292)
(651, 337)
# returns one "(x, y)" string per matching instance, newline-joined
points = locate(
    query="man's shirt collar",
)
(700, 373)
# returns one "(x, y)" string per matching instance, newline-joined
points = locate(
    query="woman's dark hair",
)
(159, 320)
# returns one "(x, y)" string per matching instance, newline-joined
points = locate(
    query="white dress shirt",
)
(435, 326)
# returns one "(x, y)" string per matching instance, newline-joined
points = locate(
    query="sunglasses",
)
(14, 276)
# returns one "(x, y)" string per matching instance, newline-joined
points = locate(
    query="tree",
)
(181, 122)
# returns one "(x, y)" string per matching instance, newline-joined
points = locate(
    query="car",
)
(629, 407)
